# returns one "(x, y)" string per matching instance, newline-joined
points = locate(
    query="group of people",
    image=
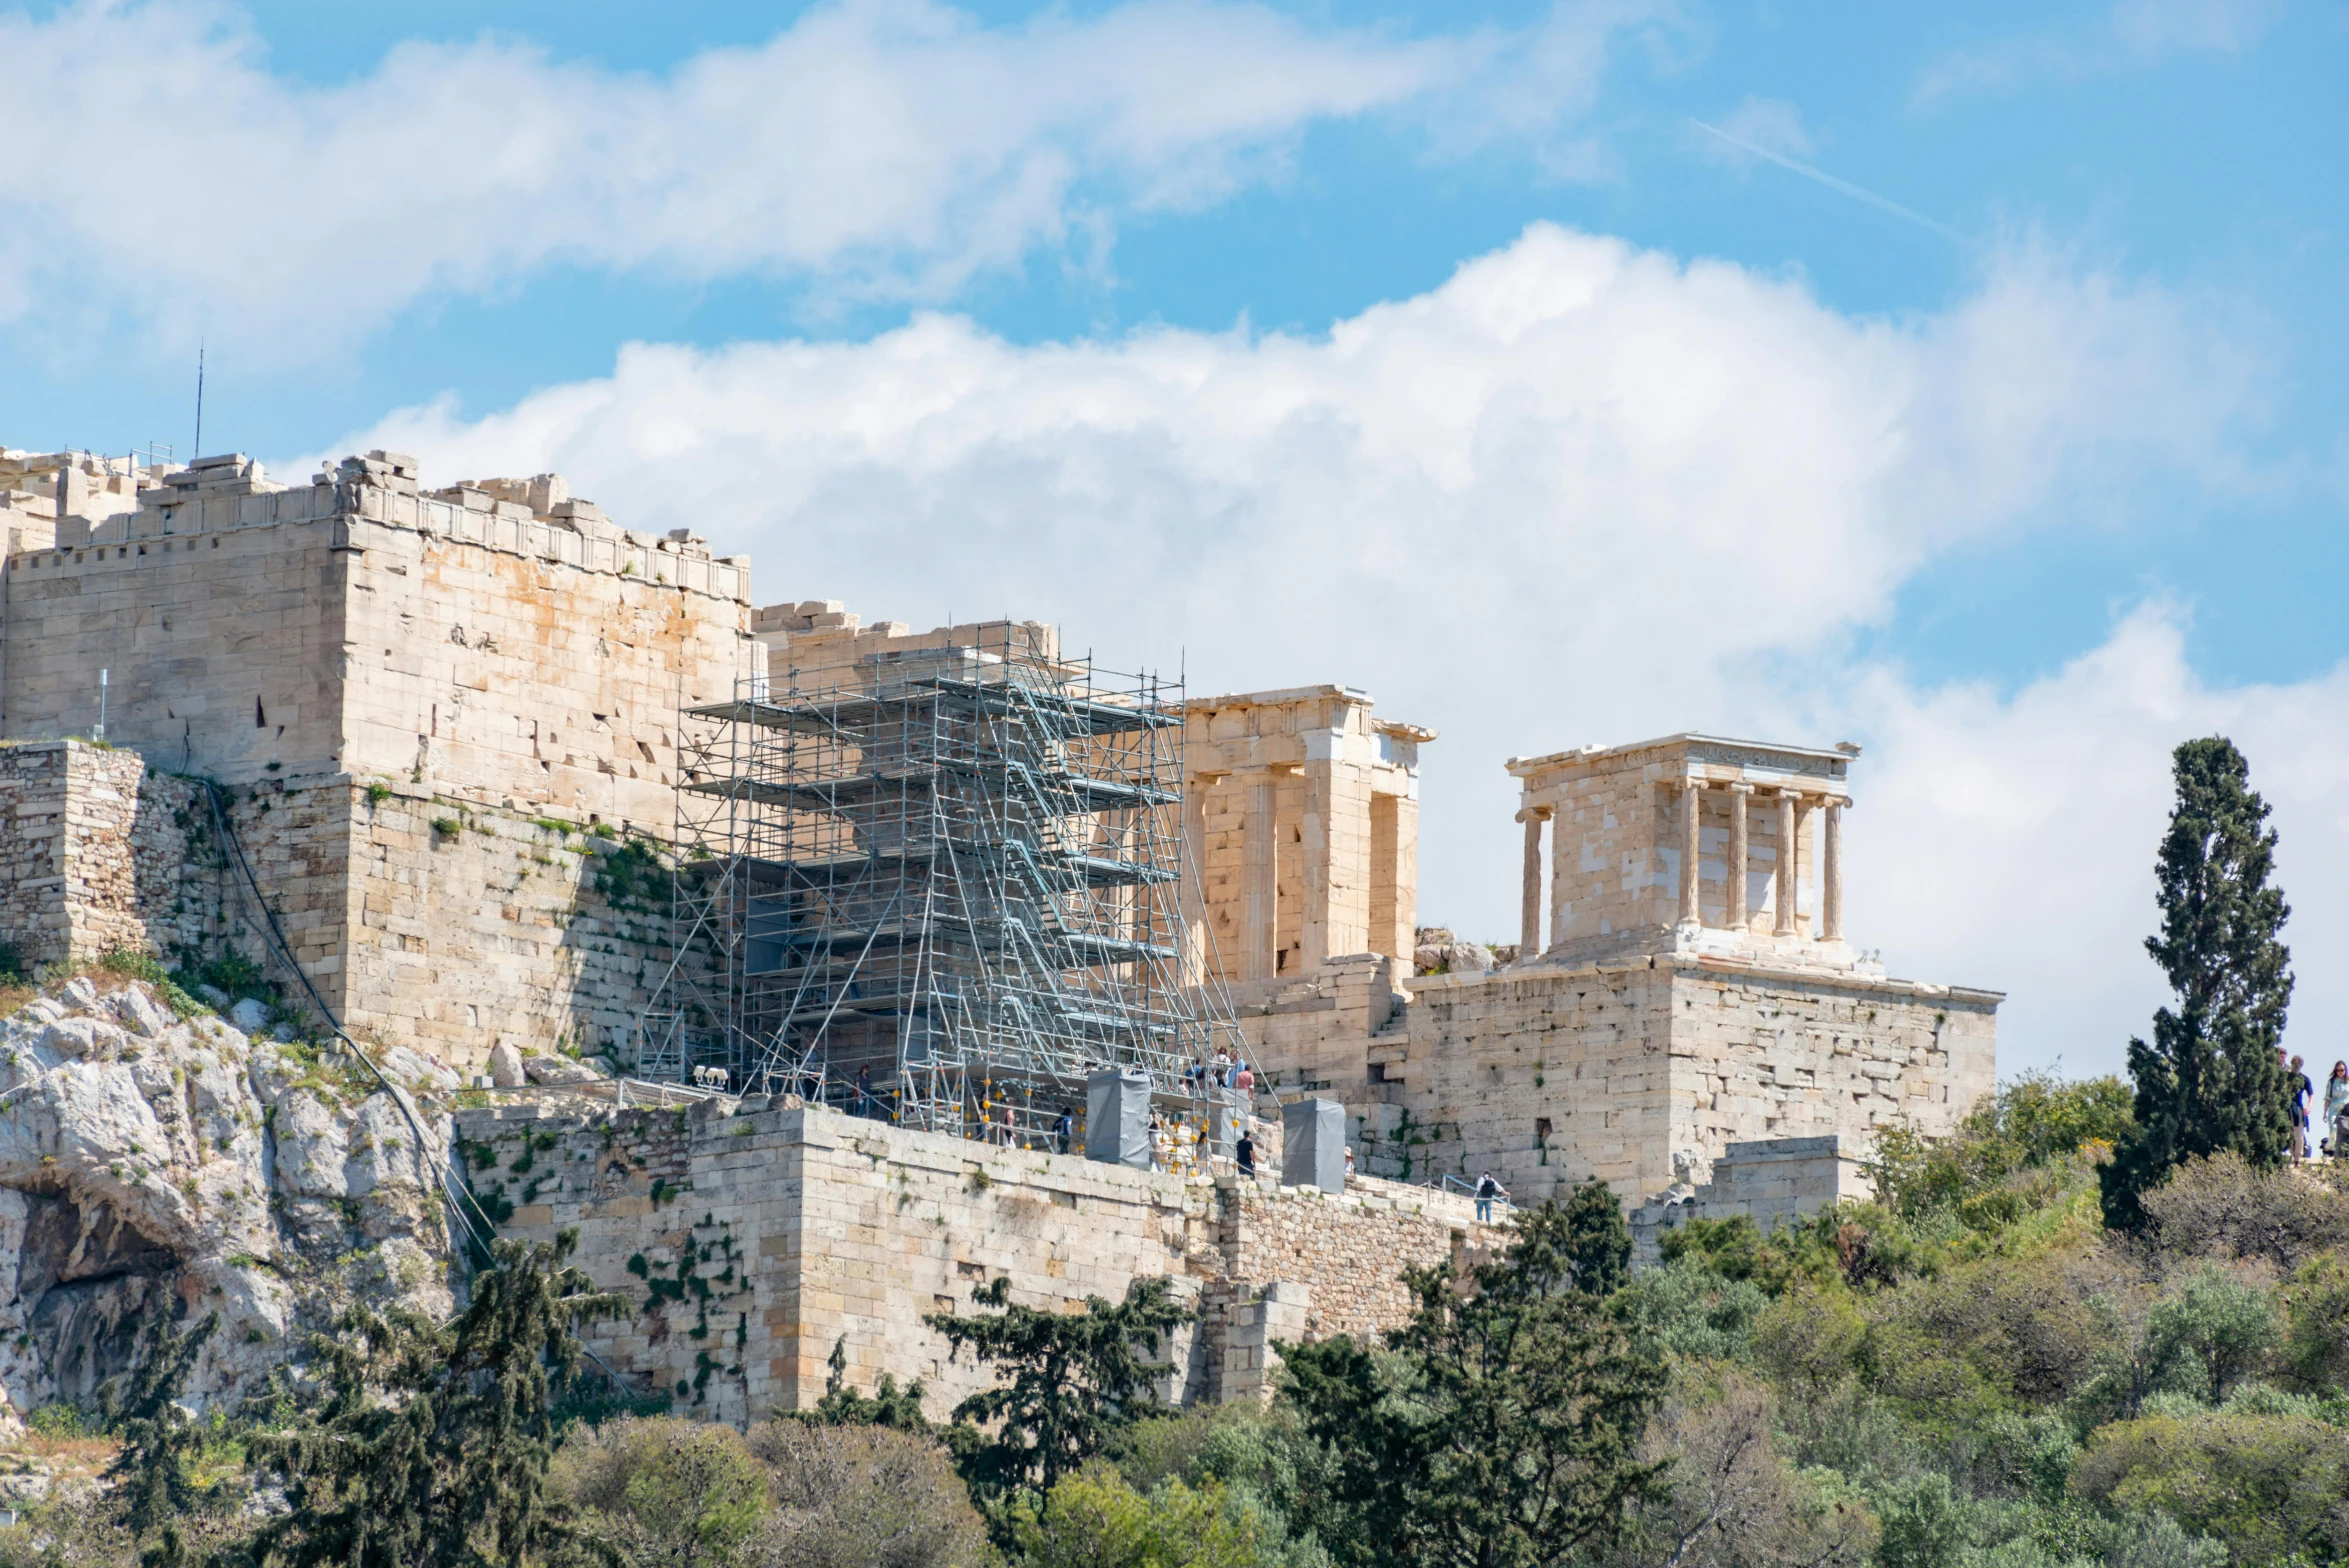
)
(1225, 1072)
(2334, 1140)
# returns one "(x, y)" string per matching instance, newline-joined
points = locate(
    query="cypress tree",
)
(2210, 1079)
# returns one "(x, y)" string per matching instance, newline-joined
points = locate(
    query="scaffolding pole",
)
(941, 888)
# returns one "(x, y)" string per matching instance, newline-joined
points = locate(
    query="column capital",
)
(1533, 814)
(1741, 787)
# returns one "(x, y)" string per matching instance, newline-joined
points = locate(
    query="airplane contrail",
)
(1858, 193)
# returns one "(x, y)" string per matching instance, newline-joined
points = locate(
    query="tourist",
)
(1487, 1190)
(1245, 1081)
(1349, 1162)
(2296, 1080)
(2336, 1107)
(1064, 1131)
(1244, 1155)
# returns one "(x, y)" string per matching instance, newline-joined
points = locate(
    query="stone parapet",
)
(754, 1236)
(1770, 1181)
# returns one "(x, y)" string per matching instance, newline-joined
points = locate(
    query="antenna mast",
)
(199, 450)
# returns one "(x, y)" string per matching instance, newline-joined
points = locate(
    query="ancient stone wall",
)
(1770, 1182)
(1644, 1073)
(95, 855)
(357, 627)
(752, 1239)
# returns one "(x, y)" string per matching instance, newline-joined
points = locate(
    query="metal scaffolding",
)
(942, 889)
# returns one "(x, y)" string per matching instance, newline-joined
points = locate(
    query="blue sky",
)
(2094, 255)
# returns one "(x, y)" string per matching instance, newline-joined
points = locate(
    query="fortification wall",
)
(421, 919)
(94, 855)
(225, 649)
(753, 1237)
(1638, 1072)
(502, 670)
(357, 627)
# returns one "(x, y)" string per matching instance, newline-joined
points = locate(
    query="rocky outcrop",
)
(145, 1155)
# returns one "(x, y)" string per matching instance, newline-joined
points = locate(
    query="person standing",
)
(1244, 1155)
(1245, 1082)
(1487, 1190)
(2336, 1107)
(1064, 1131)
(2296, 1079)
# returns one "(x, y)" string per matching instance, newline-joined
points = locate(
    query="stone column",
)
(1335, 868)
(1785, 889)
(1193, 968)
(1739, 916)
(1257, 887)
(1529, 941)
(1831, 875)
(1691, 911)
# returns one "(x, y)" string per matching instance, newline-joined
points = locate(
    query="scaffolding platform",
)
(943, 887)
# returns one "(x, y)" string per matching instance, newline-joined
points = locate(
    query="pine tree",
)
(1499, 1428)
(1075, 1380)
(432, 1440)
(2211, 1079)
(1599, 1242)
(159, 1436)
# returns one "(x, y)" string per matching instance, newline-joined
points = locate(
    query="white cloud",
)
(887, 148)
(1578, 493)
(2025, 828)
(2133, 34)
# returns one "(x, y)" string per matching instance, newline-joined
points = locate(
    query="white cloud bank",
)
(887, 148)
(1578, 493)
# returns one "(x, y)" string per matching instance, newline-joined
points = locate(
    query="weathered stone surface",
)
(135, 1166)
(505, 1066)
(810, 1228)
(558, 1070)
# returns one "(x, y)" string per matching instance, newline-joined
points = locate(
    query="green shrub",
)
(2033, 1121)
(12, 970)
(447, 827)
(2315, 1354)
(2266, 1485)
(377, 794)
(2218, 1327)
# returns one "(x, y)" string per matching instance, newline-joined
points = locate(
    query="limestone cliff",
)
(145, 1154)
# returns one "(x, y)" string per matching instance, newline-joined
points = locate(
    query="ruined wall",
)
(421, 919)
(95, 855)
(752, 1239)
(1769, 1182)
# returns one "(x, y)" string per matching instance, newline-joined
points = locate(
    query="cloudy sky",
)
(1968, 387)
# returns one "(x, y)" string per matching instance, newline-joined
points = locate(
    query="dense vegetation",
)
(2097, 1326)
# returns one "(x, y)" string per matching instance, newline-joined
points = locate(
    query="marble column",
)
(1785, 888)
(1691, 794)
(1529, 942)
(1258, 890)
(1831, 875)
(1193, 848)
(1739, 844)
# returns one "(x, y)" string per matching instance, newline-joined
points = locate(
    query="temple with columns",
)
(1683, 984)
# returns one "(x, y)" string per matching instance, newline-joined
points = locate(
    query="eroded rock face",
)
(143, 1156)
